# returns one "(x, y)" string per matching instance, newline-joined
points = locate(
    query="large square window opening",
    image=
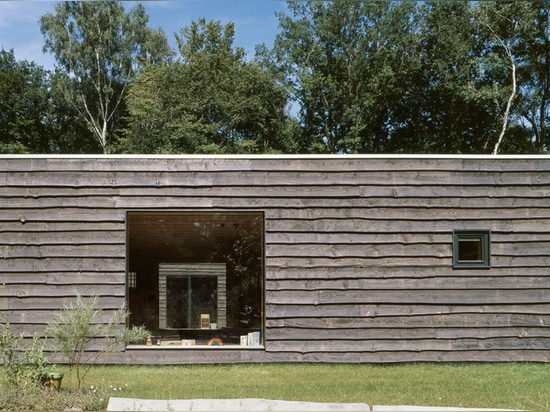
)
(198, 276)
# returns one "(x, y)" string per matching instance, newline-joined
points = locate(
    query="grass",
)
(506, 385)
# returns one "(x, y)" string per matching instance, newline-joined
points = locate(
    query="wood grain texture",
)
(358, 250)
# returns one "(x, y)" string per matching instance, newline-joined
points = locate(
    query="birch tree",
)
(101, 47)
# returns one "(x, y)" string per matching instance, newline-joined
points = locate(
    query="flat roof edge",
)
(272, 157)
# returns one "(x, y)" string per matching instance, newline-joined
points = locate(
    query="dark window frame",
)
(257, 315)
(481, 235)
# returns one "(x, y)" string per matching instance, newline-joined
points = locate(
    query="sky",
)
(255, 22)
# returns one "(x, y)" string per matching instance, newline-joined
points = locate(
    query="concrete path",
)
(262, 405)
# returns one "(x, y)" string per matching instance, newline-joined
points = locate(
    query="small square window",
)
(471, 249)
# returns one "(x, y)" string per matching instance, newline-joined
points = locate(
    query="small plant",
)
(137, 334)
(35, 398)
(23, 364)
(77, 325)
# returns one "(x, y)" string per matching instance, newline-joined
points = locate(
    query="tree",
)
(521, 31)
(534, 72)
(35, 116)
(516, 39)
(23, 106)
(500, 33)
(69, 131)
(426, 77)
(223, 104)
(101, 48)
(345, 63)
(78, 326)
(453, 108)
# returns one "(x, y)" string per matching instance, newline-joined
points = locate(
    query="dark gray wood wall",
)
(358, 249)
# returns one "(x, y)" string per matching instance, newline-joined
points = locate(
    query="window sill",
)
(194, 347)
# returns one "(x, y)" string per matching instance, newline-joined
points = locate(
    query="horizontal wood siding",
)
(358, 254)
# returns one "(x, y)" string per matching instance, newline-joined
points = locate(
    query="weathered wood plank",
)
(14, 227)
(434, 322)
(105, 250)
(416, 333)
(389, 249)
(446, 283)
(41, 317)
(528, 355)
(520, 164)
(272, 197)
(107, 202)
(436, 297)
(178, 355)
(62, 290)
(74, 238)
(275, 273)
(23, 304)
(401, 225)
(283, 238)
(258, 177)
(359, 250)
(60, 264)
(410, 213)
(413, 345)
(294, 196)
(68, 214)
(372, 263)
(61, 278)
(297, 263)
(519, 261)
(278, 312)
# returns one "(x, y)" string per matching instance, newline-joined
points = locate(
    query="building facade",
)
(286, 258)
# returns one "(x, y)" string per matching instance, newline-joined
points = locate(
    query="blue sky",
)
(255, 22)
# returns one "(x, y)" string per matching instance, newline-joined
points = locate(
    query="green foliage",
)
(135, 334)
(364, 77)
(210, 101)
(518, 32)
(427, 77)
(83, 337)
(101, 47)
(454, 106)
(35, 115)
(69, 131)
(521, 386)
(94, 398)
(23, 106)
(24, 365)
(343, 62)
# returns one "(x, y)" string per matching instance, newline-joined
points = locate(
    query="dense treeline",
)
(342, 76)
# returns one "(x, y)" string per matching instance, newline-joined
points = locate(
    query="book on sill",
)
(254, 339)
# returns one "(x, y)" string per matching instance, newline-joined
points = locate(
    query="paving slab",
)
(410, 408)
(268, 405)
(231, 405)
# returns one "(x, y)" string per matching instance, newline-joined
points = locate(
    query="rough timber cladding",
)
(358, 249)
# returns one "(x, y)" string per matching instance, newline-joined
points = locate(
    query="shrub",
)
(34, 398)
(24, 364)
(77, 325)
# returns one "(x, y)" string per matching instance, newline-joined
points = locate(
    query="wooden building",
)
(287, 258)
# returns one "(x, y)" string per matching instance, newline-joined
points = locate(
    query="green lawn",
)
(509, 385)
